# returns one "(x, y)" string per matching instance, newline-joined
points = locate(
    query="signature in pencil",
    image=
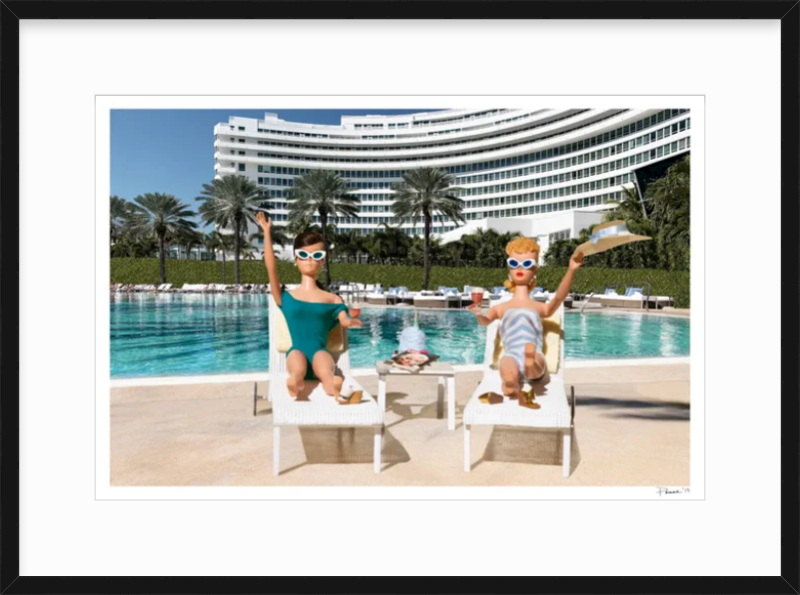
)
(668, 491)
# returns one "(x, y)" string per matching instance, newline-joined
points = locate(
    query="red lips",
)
(519, 274)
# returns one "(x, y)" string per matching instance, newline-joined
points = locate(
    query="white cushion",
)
(554, 412)
(320, 408)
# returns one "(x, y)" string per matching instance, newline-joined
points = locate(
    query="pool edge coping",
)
(265, 376)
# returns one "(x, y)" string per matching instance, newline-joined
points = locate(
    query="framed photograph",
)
(300, 277)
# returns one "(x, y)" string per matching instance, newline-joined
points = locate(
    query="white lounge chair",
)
(320, 409)
(555, 411)
(377, 296)
(449, 296)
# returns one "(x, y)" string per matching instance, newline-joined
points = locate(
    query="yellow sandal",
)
(490, 398)
(528, 399)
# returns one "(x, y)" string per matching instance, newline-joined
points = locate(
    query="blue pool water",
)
(181, 334)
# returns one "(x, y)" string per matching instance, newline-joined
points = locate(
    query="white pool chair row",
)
(320, 409)
(445, 297)
(632, 298)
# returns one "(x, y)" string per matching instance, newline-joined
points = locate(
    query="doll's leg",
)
(296, 365)
(324, 370)
(534, 362)
(509, 374)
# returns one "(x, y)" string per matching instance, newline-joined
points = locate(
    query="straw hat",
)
(608, 235)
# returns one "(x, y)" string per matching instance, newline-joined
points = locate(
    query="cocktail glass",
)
(477, 295)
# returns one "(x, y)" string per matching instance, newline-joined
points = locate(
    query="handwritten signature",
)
(667, 491)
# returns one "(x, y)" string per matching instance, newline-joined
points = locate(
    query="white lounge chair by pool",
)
(376, 296)
(555, 412)
(428, 299)
(319, 409)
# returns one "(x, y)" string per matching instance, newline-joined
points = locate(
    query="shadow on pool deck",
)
(647, 409)
(338, 446)
(207, 434)
(537, 446)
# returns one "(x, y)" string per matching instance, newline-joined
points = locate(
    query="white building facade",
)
(547, 173)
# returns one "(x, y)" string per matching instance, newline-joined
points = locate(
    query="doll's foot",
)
(333, 386)
(295, 386)
(511, 388)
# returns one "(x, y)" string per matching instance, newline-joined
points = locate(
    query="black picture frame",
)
(12, 11)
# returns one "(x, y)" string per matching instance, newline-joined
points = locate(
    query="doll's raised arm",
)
(562, 292)
(269, 257)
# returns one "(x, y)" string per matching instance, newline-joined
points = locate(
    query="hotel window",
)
(241, 153)
(241, 127)
(241, 140)
(241, 167)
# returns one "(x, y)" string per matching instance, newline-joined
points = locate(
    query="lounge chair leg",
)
(276, 450)
(440, 388)
(378, 448)
(451, 403)
(382, 392)
(466, 449)
(567, 451)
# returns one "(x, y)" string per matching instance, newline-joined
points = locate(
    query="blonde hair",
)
(522, 245)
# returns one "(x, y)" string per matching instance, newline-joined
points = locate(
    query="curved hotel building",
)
(545, 173)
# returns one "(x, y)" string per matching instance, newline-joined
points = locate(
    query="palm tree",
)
(423, 193)
(160, 216)
(188, 238)
(224, 243)
(628, 209)
(231, 202)
(132, 246)
(212, 242)
(119, 216)
(278, 236)
(322, 192)
(670, 198)
(390, 244)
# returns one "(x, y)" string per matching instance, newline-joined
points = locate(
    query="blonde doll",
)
(521, 316)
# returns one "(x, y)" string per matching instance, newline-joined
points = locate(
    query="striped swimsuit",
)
(518, 327)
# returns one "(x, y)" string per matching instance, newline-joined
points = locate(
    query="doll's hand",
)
(576, 261)
(475, 309)
(355, 323)
(266, 224)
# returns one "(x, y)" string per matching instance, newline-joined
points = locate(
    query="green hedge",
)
(145, 270)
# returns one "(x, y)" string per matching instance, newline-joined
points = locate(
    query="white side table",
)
(446, 376)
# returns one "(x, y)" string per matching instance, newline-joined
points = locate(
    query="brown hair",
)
(522, 245)
(307, 238)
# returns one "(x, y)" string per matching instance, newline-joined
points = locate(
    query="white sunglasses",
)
(526, 264)
(304, 254)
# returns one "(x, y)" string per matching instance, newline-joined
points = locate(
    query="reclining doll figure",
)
(310, 313)
(521, 316)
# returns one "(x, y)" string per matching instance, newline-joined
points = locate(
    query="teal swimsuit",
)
(309, 324)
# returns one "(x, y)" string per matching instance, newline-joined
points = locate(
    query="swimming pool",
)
(188, 335)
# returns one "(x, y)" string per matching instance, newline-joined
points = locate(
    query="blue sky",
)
(172, 151)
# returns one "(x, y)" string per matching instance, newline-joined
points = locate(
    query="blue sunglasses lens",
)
(513, 263)
(318, 255)
(528, 264)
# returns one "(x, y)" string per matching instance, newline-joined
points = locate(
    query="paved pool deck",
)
(631, 429)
